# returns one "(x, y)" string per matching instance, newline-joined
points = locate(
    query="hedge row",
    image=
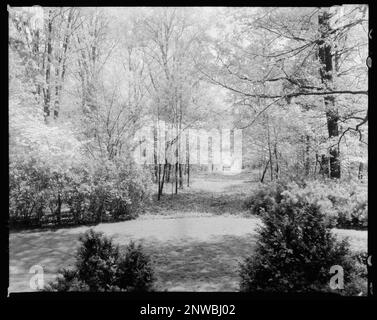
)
(91, 193)
(345, 204)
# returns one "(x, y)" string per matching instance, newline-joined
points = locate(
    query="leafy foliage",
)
(135, 272)
(266, 197)
(101, 266)
(103, 192)
(272, 62)
(295, 251)
(58, 174)
(67, 281)
(27, 189)
(344, 203)
(97, 261)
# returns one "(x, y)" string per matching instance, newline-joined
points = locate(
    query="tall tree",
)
(298, 56)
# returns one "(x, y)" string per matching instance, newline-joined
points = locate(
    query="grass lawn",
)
(196, 239)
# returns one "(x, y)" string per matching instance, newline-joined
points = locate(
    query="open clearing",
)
(196, 238)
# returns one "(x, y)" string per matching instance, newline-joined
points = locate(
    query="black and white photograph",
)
(188, 149)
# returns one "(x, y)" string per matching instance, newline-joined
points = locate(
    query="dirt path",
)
(208, 195)
(193, 247)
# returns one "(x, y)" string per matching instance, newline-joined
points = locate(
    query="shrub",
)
(359, 279)
(56, 194)
(135, 272)
(100, 266)
(119, 189)
(28, 182)
(295, 251)
(78, 195)
(104, 191)
(355, 214)
(97, 259)
(68, 280)
(344, 204)
(266, 197)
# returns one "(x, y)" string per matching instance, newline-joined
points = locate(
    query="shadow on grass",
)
(203, 202)
(180, 264)
(190, 265)
(51, 250)
(214, 194)
(184, 263)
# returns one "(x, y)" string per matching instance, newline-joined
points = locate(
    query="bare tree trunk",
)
(179, 143)
(332, 124)
(176, 158)
(48, 68)
(277, 162)
(61, 69)
(176, 178)
(316, 164)
(324, 166)
(180, 176)
(168, 175)
(307, 156)
(159, 183)
(269, 151)
(36, 54)
(172, 185)
(326, 72)
(59, 209)
(156, 167)
(163, 178)
(188, 159)
(361, 169)
(264, 171)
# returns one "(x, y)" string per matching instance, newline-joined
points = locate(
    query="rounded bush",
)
(96, 261)
(135, 272)
(295, 251)
(101, 266)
